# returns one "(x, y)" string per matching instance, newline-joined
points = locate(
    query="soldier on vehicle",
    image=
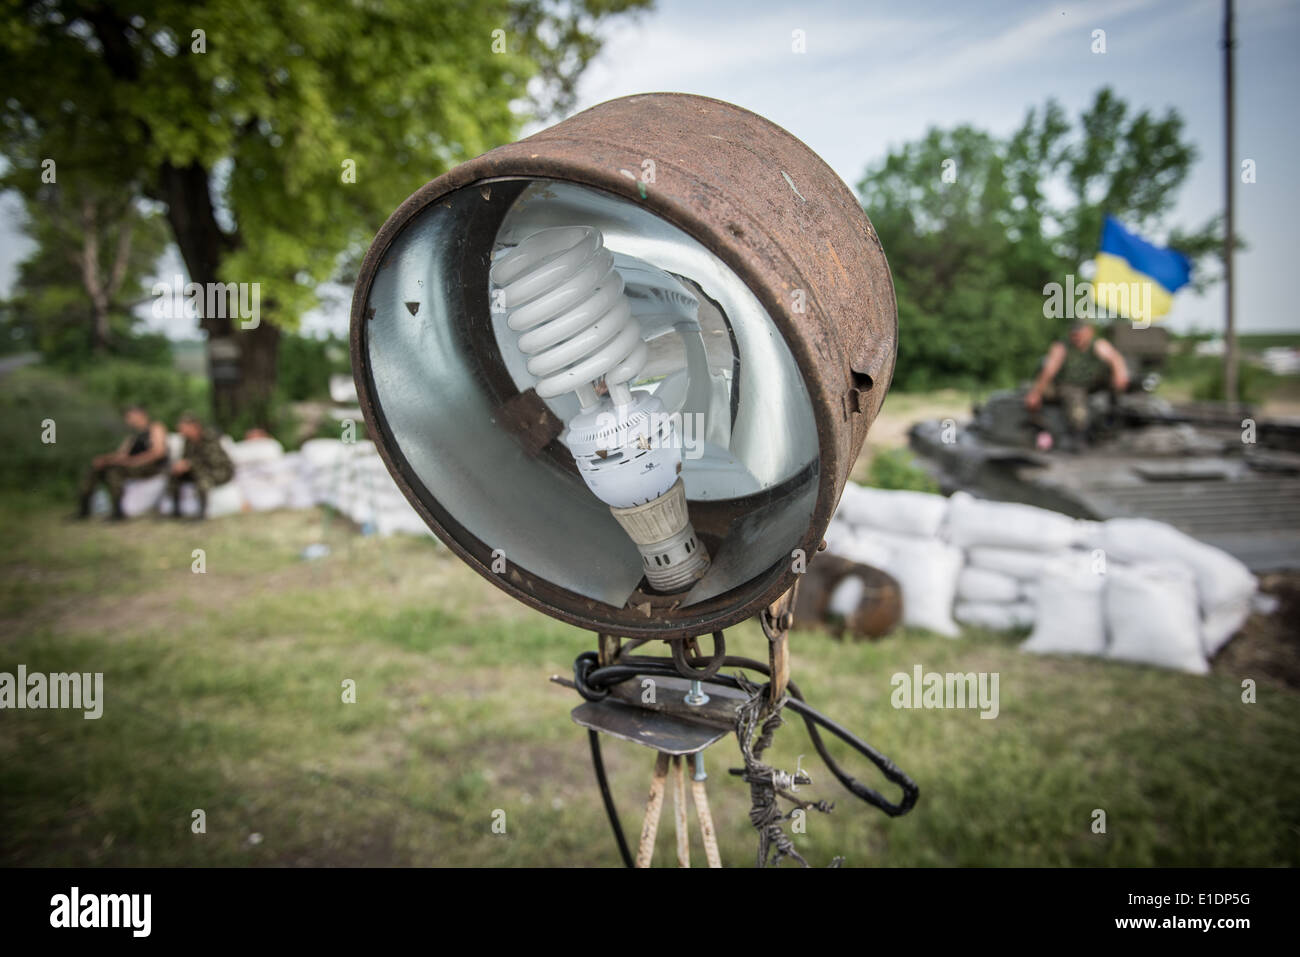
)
(1074, 370)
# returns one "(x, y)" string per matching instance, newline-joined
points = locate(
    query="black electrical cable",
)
(606, 796)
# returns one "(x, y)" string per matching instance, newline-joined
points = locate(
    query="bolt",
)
(696, 696)
(699, 766)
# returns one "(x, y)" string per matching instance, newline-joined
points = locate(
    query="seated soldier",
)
(1073, 371)
(203, 462)
(142, 454)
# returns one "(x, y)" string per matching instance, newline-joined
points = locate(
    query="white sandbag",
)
(222, 501)
(983, 585)
(319, 454)
(1222, 623)
(1089, 534)
(299, 494)
(1020, 563)
(1151, 612)
(253, 451)
(1069, 616)
(910, 513)
(839, 536)
(858, 545)
(975, 522)
(261, 495)
(140, 496)
(926, 570)
(1220, 578)
(996, 616)
(1029, 592)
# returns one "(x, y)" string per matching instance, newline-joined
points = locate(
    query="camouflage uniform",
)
(1082, 373)
(210, 466)
(114, 477)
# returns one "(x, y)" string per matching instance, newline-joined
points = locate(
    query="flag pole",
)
(1229, 182)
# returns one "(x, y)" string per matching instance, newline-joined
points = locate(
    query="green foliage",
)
(73, 296)
(1253, 382)
(973, 233)
(164, 391)
(897, 469)
(307, 364)
(278, 136)
(84, 424)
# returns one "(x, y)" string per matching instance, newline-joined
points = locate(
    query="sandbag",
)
(976, 522)
(222, 501)
(141, 496)
(254, 451)
(996, 616)
(858, 545)
(261, 495)
(1220, 578)
(1222, 623)
(983, 585)
(1069, 615)
(926, 570)
(918, 514)
(1151, 613)
(1021, 563)
(322, 454)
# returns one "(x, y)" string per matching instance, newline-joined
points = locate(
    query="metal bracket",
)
(776, 620)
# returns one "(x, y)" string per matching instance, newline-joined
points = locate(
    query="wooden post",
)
(679, 812)
(654, 808)
(702, 811)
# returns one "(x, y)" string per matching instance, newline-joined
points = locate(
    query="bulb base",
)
(673, 555)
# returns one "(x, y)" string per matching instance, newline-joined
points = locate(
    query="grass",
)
(223, 692)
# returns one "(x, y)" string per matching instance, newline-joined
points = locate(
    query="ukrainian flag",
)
(1136, 279)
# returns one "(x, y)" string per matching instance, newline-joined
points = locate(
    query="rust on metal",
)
(781, 220)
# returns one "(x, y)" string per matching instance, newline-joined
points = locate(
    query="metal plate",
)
(661, 732)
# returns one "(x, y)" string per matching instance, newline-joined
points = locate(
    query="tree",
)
(975, 226)
(74, 295)
(278, 136)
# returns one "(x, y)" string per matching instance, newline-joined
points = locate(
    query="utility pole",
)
(1229, 183)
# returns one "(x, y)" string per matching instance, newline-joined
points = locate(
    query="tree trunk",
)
(242, 363)
(90, 279)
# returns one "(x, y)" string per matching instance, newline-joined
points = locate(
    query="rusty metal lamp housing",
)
(784, 360)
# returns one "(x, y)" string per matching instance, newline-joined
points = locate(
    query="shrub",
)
(84, 426)
(897, 469)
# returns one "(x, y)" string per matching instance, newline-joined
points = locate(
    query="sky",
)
(875, 75)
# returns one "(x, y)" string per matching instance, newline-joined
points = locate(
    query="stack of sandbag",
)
(1130, 589)
(1007, 547)
(352, 478)
(263, 475)
(1223, 586)
(898, 532)
(1069, 611)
